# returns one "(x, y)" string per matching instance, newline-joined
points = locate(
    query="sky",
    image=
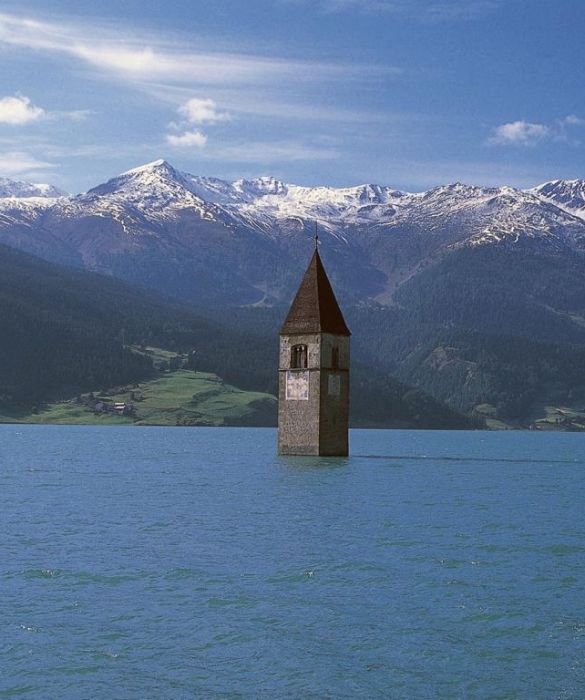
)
(406, 93)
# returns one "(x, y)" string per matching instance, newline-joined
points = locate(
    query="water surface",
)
(195, 563)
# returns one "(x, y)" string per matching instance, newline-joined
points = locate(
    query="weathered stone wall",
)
(334, 397)
(298, 420)
(328, 342)
(319, 424)
(313, 343)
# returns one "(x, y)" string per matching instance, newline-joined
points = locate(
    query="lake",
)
(195, 563)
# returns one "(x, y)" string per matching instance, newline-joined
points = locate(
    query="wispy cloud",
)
(19, 163)
(270, 103)
(419, 10)
(270, 152)
(207, 85)
(74, 114)
(133, 57)
(524, 133)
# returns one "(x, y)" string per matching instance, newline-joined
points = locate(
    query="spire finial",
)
(316, 236)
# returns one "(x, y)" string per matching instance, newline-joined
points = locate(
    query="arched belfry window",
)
(335, 358)
(298, 357)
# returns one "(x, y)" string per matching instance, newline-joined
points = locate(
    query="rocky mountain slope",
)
(246, 242)
(20, 189)
(568, 195)
(436, 283)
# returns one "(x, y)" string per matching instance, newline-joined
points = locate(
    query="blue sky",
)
(409, 93)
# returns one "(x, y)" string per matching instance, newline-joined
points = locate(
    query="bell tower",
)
(313, 386)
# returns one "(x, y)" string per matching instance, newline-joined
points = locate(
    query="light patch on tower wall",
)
(297, 386)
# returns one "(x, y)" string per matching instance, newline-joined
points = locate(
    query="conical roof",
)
(315, 308)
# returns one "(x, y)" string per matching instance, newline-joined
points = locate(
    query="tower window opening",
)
(335, 358)
(298, 358)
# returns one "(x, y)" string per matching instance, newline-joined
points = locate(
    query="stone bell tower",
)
(313, 386)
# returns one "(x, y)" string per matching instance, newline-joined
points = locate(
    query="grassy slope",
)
(175, 398)
(565, 418)
(543, 416)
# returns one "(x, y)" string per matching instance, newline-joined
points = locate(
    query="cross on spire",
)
(316, 236)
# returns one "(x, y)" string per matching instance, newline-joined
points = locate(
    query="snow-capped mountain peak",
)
(150, 176)
(155, 165)
(23, 190)
(157, 191)
(154, 196)
(150, 188)
(150, 194)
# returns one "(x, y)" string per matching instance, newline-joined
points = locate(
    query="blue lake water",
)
(195, 563)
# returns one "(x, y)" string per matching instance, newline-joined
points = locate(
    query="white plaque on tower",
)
(297, 385)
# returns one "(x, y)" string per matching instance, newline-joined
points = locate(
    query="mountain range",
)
(246, 242)
(473, 294)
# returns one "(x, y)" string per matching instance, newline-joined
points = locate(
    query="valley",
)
(470, 295)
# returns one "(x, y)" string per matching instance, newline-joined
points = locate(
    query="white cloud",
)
(190, 139)
(519, 133)
(523, 133)
(418, 10)
(19, 163)
(232, 82)
(19, 110)
(202, 111)
(195, 111)
(573, 120)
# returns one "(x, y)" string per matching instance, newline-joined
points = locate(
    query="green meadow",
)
(182, 397)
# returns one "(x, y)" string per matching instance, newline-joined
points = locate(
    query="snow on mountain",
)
(19, 189)
(568, 195)
(24, 203)
(156, 194)
(492, 215)
(150, 188)
(200, 238)
(480, 215)
(267, 199)
(150, 194)
(330, 206)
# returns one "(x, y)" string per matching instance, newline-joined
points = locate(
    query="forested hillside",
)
(66, 331)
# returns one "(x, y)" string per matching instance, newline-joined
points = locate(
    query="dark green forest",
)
(481, 326)
(498, 326)
(65, 331)
(444, 348)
